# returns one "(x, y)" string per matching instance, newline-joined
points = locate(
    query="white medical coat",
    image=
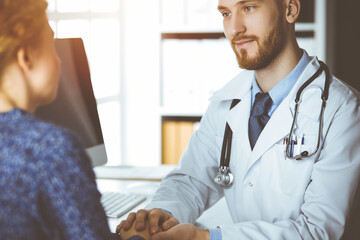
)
(272, 197)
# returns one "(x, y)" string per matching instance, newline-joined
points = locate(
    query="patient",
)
(47, 186)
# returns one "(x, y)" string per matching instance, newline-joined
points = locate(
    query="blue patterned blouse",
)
(47, 186)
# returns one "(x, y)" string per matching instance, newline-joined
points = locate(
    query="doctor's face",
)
(255, 29)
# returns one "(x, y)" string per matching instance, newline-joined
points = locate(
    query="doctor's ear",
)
(292, 10)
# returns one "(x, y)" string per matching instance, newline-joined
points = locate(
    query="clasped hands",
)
(156, 224)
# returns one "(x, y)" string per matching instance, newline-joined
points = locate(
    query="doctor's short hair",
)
(21, 21)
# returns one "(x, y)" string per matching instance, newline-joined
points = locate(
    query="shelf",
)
(186, 112)
(188, 30)
(193, 35)
(191, 29)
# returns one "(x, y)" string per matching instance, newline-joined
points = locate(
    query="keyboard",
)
(117, 204)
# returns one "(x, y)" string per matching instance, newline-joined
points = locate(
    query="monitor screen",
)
(75, 105)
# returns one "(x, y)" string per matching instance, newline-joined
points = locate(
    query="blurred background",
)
(155, 63)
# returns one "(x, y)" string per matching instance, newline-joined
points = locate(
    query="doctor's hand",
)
(158, 221)
(183, 232)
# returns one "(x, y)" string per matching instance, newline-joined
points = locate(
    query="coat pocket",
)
(287, 176)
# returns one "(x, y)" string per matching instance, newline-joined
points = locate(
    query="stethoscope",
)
(225, 178)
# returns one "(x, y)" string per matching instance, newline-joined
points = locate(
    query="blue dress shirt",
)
(282, 89)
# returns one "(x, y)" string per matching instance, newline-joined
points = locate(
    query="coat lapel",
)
(238, 118)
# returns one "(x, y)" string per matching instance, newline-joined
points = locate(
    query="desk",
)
(218, 214)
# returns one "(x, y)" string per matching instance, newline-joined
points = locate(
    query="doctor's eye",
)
(225, 14)
(249, 8)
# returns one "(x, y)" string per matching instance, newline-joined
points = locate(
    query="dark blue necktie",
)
(259, 116)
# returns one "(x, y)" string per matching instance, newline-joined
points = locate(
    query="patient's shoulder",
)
(26, 137)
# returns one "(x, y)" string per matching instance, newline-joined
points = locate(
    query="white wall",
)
(140, 56)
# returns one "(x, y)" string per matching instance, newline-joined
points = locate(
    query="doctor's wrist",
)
(203, 234)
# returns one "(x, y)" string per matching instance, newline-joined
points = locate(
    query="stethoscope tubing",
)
(324, 97)
(227, 140)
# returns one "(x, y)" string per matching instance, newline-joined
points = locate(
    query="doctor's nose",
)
(234, 26)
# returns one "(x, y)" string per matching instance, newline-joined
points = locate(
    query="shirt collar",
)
(282, 89)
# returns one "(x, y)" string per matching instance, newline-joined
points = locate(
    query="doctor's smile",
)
(243, 43)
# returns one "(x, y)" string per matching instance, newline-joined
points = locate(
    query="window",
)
(97, 22)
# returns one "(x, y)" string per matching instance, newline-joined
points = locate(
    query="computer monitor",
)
(75, 105)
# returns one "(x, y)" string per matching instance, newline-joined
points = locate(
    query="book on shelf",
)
(175, 137)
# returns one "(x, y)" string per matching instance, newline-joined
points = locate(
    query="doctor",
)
(272, 195)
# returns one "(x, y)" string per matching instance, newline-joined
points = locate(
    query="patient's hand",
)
(154, 221)
(133, 234)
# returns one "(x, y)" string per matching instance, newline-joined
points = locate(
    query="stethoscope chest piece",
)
(224, 177)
